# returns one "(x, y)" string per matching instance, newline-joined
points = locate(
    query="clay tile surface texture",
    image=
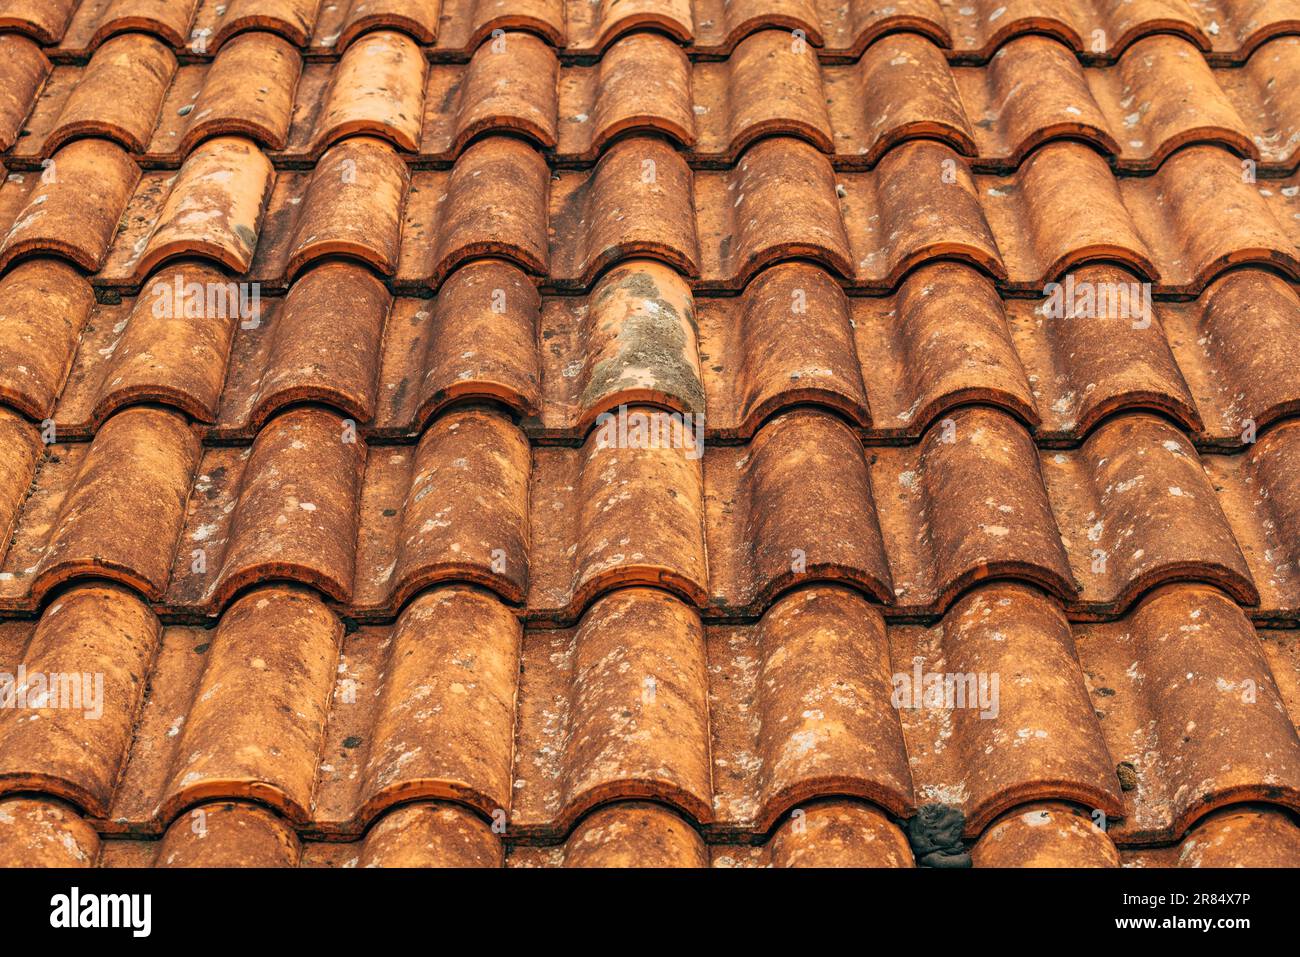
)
(551, 433)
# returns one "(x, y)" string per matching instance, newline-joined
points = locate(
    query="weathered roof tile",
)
(376, 89)
(23, 71)
(44, 305)
(72, 207)
(108, 508)
(213, 208)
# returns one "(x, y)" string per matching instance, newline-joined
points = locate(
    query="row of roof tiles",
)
(559, 363)
(1199, 215)
(728, 528)
(1098, 29)
(36, 832)
(1152, 721)
(1160, 96)
(1062, 208)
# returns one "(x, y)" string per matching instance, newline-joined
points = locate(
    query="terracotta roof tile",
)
(933, 555)
(511, 84)
(89, 517)
(637, 201)
(39, 832)
(593, 28)
(168, 19)
(74, 525)
(287, 643)
(918, 97)
(627, 834)
(1234, 384)
(22, 443)
(423, 834)
(96, 629)
(25, 69)
(1061, 209)
(337, 767)
(456, 645)
(983, 26)
(871, 228)
(836, 833)
(492, 204)
(634, 341)
(1085, 369)
(1228, 31)
(1242, 836)
(71, 209)
(642, 83)
(1129, 523)
(226, 835)
(1265, 521)
(1046, 834)
(1184, 105)
(1190, 751)
(44, 305)
(1032, 91)
(212, 208)
(615, 708)
(455, 509)
(781, 201)
(320, 343)
(1283, 655)
(363, 769)
(351, 207)
(303, 529)
(763, 229)
(1181, 228)
(773, 750)
(419, 18)
(249, 90)
(43, 20)
(795, 503)
(266, 676)
(762, 361)
(291, 19)
(119, 94)
(591, 540)
(478, 19)
(771, 77)
(986, 763)
(479, 340)
(634, 834)
(1203, 208)
(376, 89)
(163, 355)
